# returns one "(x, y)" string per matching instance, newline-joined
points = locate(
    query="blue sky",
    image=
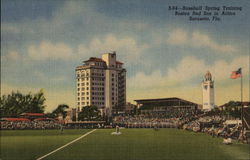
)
(43, 41)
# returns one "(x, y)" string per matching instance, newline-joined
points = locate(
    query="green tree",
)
(12, 105)
(89, 113)
(61, 109)
(233, 108)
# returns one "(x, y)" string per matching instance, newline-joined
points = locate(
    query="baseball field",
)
(132, 144)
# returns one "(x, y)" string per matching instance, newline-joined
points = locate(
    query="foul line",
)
(66, 145)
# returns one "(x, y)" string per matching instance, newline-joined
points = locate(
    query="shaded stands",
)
(164, 104)
(20, 124)
(246, 118)
(85, 124)
(15, 119)
(29, 121)
(32, 116)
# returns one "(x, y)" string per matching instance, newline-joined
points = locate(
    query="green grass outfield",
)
(132, 144)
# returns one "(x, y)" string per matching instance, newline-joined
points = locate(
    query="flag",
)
(236, 74)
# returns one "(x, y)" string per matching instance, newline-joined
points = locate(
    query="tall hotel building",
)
(101, 82)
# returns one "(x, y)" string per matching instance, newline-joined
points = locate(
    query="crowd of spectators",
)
(216, 126)
(191, 120)
(16, 125)
(172, 118)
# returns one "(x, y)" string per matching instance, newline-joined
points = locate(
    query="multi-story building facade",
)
(101, 82)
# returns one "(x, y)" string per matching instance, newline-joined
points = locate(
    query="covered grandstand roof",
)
(32, 114)
(171, 99)
(15, 119)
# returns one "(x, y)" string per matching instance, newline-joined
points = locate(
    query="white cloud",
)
(174, 82)
(127, 47)
(13, 55)
(191, 67)
(199, 40)
(9, 28)
(188, 69)
(203, 40)
(46, 50)
(141, 80)
(178, 36)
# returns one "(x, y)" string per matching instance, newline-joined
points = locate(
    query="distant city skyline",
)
(164, 55)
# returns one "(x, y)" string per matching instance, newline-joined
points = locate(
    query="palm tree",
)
(61, 109)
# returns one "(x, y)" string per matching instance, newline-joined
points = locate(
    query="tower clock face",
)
(205, 87)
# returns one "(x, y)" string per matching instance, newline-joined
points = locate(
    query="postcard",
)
(125, 79)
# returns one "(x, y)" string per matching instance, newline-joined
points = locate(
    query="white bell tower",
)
(207, 92)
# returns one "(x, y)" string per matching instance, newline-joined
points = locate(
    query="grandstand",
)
(246, 118)
(164, 104)
(182, 128)
(32, 116)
